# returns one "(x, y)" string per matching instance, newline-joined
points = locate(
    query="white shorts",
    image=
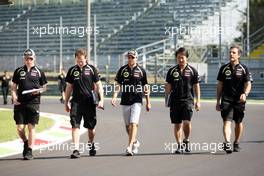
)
(131, 113)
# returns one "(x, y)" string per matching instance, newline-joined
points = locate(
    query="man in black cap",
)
(132, 80)
(27, 84)
(181, 80)
(233, 87)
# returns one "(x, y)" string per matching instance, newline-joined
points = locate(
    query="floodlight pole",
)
(27, 32)
(220, 34)
(94, 28)
(61, 30)
(88, 12)
(248, 30)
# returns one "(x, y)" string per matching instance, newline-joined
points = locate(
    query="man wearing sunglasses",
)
(132, 80)
(28, 83)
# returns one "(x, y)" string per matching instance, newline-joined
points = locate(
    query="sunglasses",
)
(131, 57)
(29, 58)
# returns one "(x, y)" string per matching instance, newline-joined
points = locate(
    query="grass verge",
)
(8, 126)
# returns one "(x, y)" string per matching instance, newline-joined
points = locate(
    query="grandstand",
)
(121, 25)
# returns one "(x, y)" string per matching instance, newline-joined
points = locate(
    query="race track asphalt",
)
(156, 137)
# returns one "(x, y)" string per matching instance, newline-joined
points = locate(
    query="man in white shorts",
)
(132, 80)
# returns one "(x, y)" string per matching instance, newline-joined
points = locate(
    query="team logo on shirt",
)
(22, 73)
(227, 72)
(76, 73)
(187, 73)
(137, 74)
(87, 72)
(33, 73)
(126, 74)
(176, 74)
(239, 72)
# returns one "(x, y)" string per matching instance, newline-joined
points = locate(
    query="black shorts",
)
(232, 111)
(87, 111)
(181, 111)
(26, 113)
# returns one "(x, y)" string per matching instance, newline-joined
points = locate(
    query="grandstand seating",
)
(150, 18)
(122, 25)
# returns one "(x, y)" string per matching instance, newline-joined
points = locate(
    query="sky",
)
(231, 16)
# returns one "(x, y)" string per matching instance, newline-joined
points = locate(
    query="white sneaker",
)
(129, 151)
(135, 147)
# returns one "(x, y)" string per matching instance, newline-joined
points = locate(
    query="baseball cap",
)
(29, 53)
(132, 53)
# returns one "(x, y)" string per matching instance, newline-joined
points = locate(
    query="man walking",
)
(5, 79)
(27, 84)
(82, 79)
(233, 87)
(181, 80)
(132, 80)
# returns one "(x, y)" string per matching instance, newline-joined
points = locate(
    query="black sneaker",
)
(179, 149)
(186, 145)
(25, 148)
(227, 147)
(28, 154)
(92, 151)
(75, 154)
(236, 147)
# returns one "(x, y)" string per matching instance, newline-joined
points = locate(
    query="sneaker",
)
(28, 154)
(186, 146)
(25, 148)
(179, 149)
(135, 147)
(92, 151)
(236, 147)
(227, 147)
(75, 154)
(129, 151)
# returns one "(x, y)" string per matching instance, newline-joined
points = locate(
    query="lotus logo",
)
(76, 73)
(126, 74)
(22, 73)
(227, 72)
(176, 74)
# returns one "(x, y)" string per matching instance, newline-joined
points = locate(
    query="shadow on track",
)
(117, 155)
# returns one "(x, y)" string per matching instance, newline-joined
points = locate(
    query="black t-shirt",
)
(5, 81)
(182, 83)
(233, 80)
(26, 80)
(83, 82)
(132, 83)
